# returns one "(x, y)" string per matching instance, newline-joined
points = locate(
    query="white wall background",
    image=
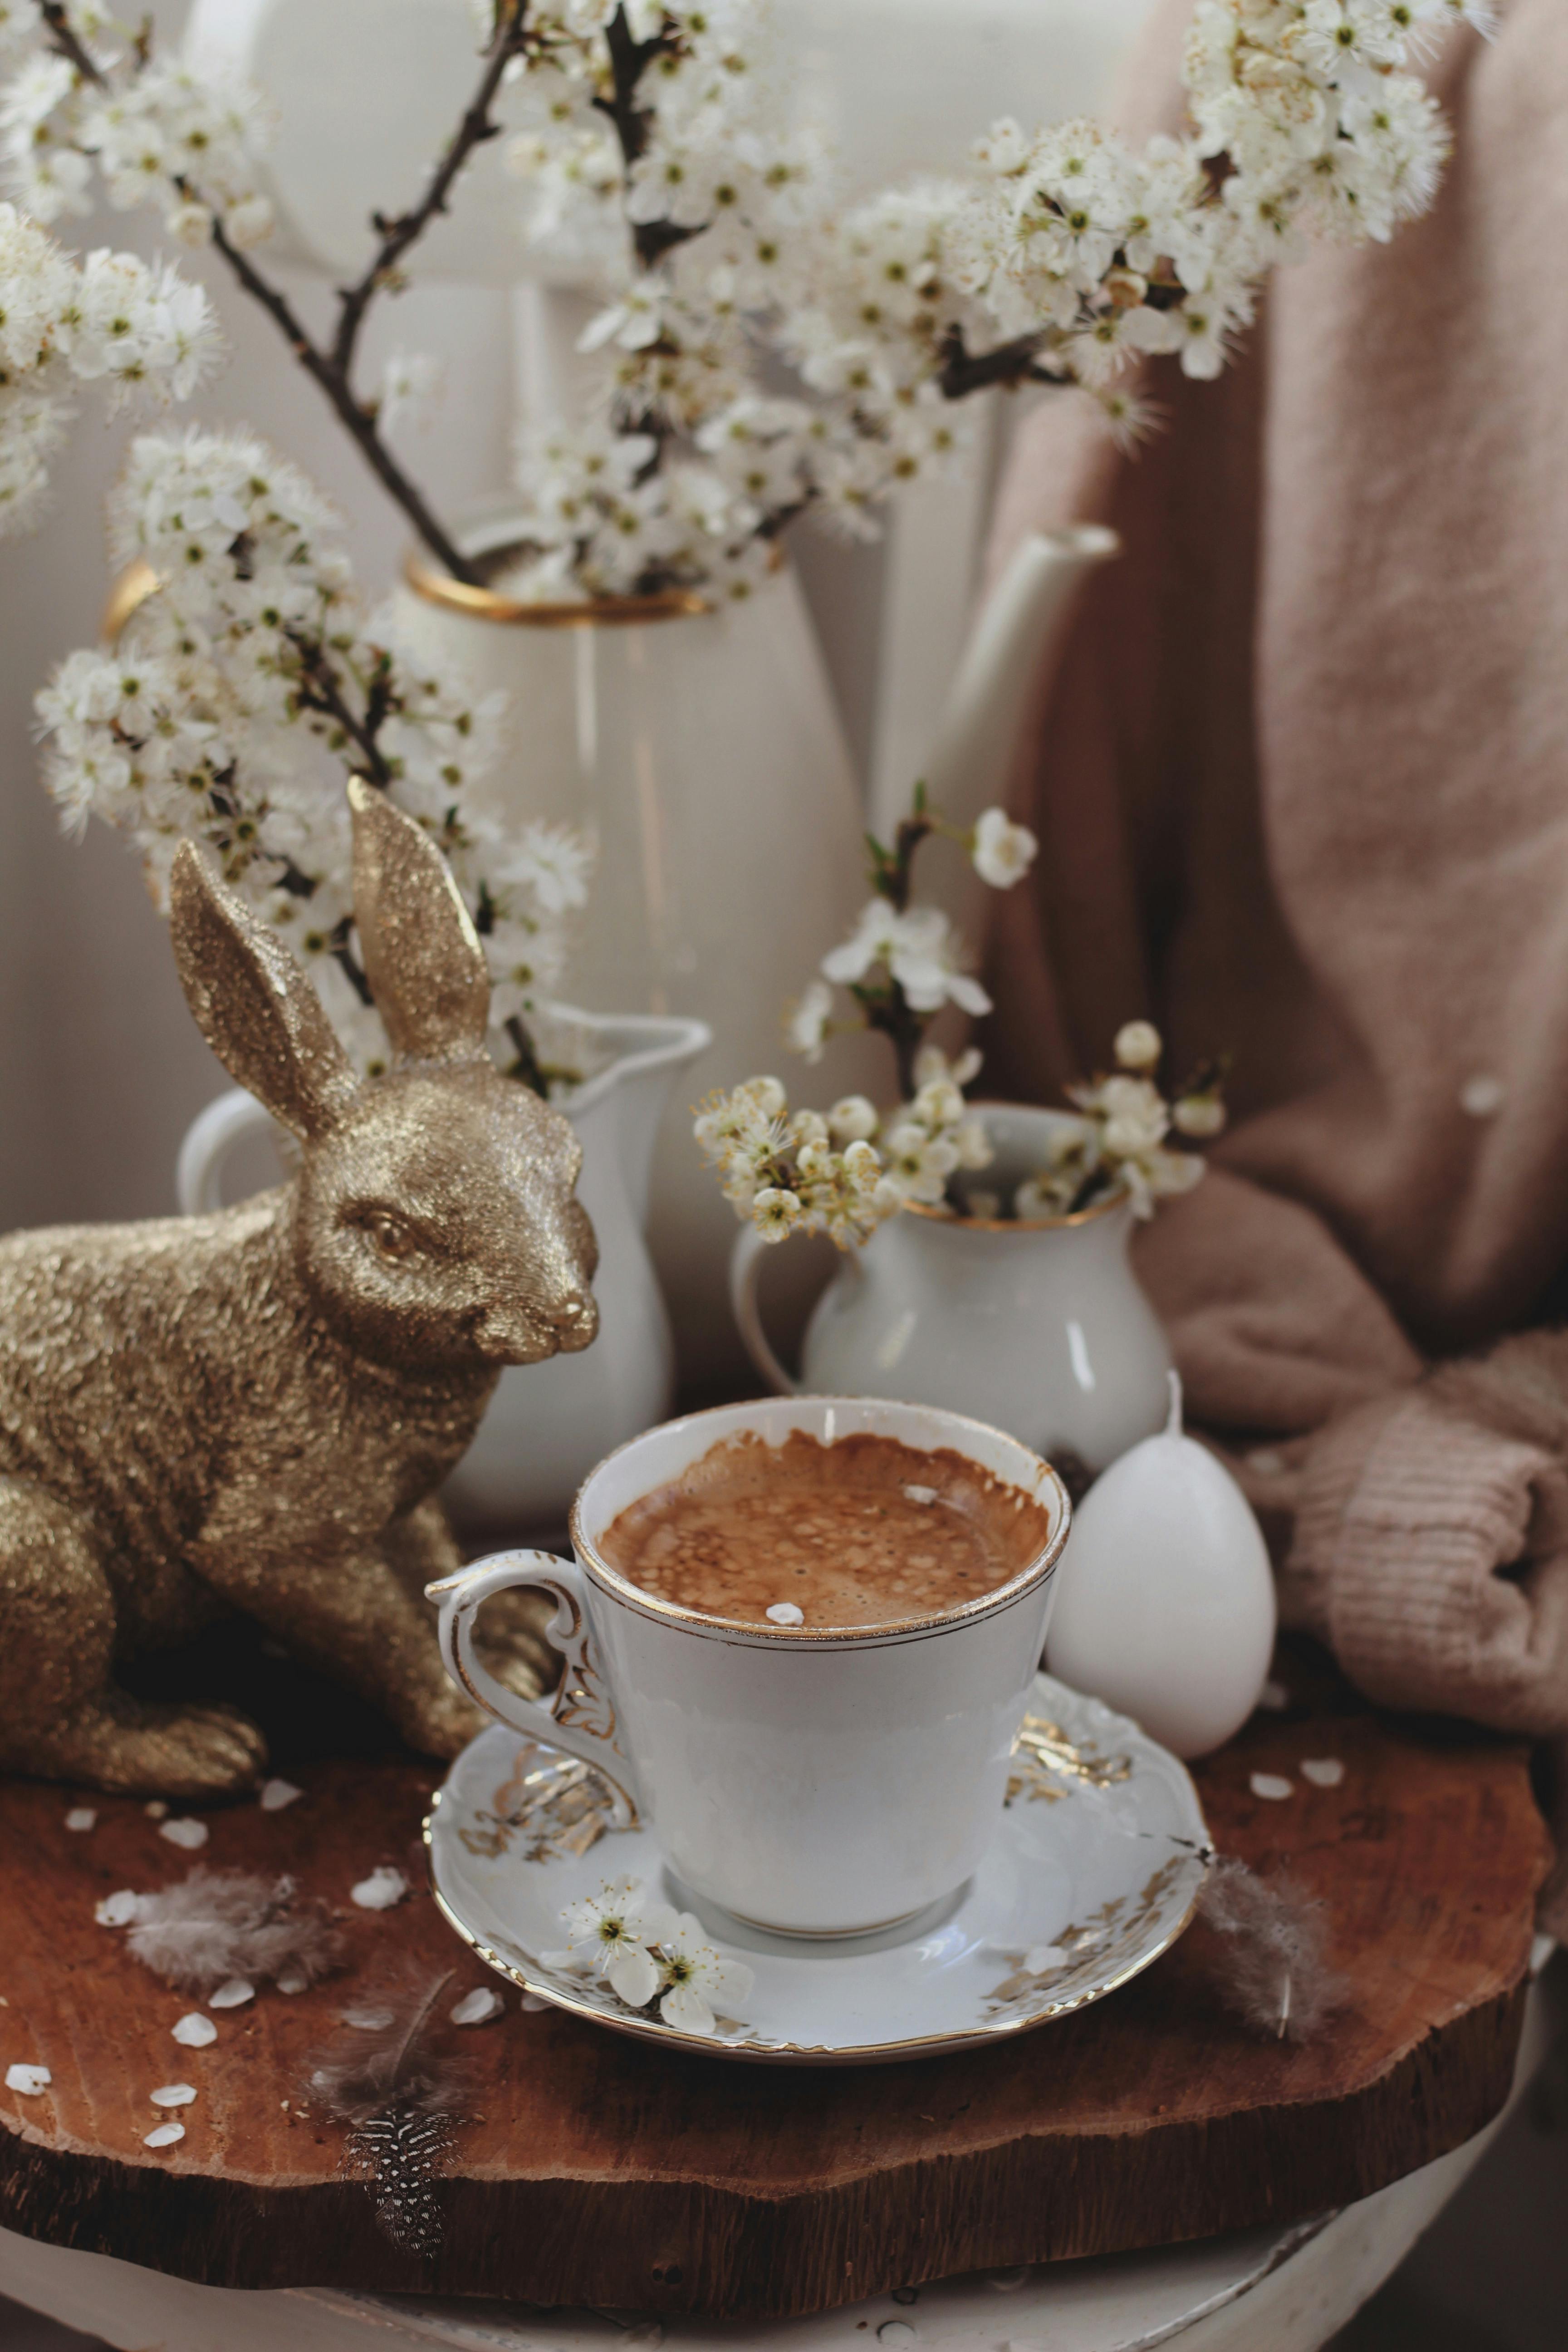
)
(100, 1067)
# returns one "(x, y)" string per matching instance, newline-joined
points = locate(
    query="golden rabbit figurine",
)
(251, 1411)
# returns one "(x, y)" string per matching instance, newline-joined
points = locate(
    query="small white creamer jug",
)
(548, 1424)
(1038, 1326)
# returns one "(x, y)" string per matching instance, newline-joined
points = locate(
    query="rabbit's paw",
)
(210, 1750)
(184, 1751)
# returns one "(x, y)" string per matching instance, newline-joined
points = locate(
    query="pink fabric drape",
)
(1300, 780)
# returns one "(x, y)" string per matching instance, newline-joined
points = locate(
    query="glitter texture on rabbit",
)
(252, 1410)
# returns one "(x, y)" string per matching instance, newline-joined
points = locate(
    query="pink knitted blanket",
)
(1301, 781)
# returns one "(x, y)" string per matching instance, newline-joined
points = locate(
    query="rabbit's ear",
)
(253, 1004)
(422, 955)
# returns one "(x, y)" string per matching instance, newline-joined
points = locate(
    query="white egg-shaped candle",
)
(1165, 1605)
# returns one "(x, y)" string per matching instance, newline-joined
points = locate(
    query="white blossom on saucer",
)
(611, 1931)
(701, 1984)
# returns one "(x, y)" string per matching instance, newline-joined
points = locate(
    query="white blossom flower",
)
(806, 1021)
(1003, 852)
(230, 706)
(412, 384)
(918, 1163)
(612, 1931)
(775, 1212)
(701, 1984)
(917, 949)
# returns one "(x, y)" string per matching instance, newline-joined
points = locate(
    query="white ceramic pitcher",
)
(548, 1424)
(1039, 1327)
(702, 753)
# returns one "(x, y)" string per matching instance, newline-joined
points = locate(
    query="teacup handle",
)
(580, 1718)
(745, 1265)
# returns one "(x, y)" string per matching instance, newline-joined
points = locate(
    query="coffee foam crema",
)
(866, 1531)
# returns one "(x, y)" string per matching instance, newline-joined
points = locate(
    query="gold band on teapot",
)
(438, 587)
(129, 593)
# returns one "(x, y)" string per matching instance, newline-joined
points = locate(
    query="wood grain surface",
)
(602, 2171)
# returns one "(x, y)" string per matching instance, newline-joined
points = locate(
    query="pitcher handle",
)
(744, 1267)
(580, 1718)
(210, 1138)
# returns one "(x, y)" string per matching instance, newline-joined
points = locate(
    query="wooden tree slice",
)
(601, 2171)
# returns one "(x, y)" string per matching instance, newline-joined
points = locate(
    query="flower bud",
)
(1138, 1045)
(1199, 1115)
(852, 1119)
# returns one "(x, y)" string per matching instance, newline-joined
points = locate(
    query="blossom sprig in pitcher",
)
(986, 1264)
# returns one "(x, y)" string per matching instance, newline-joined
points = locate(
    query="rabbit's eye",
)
(389, 1238)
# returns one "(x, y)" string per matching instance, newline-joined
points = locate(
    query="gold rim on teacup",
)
(1017, 1587)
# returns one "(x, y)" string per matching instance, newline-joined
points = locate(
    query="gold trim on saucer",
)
(998, 2026)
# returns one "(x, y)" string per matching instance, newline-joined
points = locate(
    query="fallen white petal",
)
(28, 2080)
(1323, 1771)
(81, 1817)
(276, 1794)
(172, 2094)
(232, 1995)
(1274, 1697)
(164, 2135)
(293, 1981)
(368, 2020)
(117, 1910)
(184, 1832)
(195, 2030)
(1269, 1784)
(157, 1811)
(477, 2008)
(381, 1890)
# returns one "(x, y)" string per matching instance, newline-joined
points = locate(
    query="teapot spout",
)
(1009, 645)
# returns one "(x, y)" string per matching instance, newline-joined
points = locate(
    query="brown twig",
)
(359, 421)
(331, 370)
(964, 372)
(477, 125)
(65, 43)
(318, 689)
(629, 59)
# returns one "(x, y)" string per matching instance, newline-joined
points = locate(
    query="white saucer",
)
(1095, 1873)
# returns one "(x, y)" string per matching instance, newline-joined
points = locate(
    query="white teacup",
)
(812, 1783)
